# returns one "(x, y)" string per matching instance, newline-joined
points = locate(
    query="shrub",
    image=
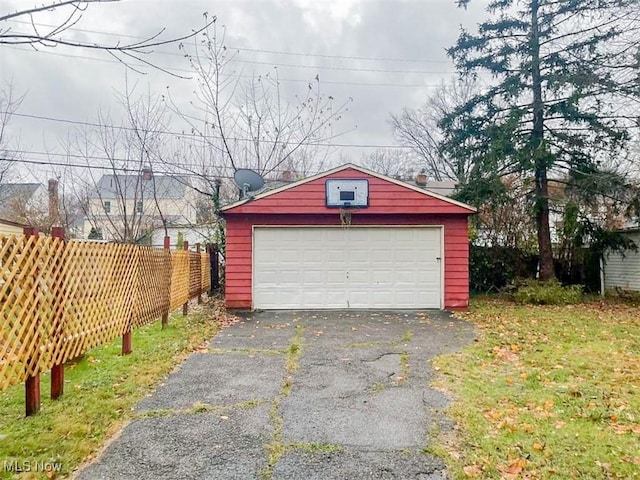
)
(492, 268)
(547, 293)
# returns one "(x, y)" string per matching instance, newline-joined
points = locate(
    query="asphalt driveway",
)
(291, 395)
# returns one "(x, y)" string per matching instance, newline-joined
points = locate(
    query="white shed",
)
(622, 270)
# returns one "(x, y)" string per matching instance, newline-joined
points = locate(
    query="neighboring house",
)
(299, 246)
(622, 270)
(7, 227)
(135, 208)
(25, 203)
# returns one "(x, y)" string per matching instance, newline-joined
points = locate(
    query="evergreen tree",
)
(564, 98)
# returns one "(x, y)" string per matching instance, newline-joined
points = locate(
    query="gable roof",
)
(359, 169)
(170, 187)
(22, 190)
(14, 194)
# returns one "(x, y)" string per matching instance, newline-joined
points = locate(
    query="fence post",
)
(185, 306)
(127, 341)
(127, 345)
(200, 289)
(214, 266)
(32, 384)
(57, 371)
(165, 315)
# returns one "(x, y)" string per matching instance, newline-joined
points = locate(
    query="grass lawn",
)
(100, 390)
(545, 392)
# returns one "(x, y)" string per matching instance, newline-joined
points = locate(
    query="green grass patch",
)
(408, 335)
(315, 447)
(547, 293)
(365, 344)
(101, 389)
(404, 367)
(546, 392)
(248, 351)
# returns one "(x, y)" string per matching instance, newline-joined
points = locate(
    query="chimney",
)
(421, 180)
(287, 176)
(147, 173)
(54, 215)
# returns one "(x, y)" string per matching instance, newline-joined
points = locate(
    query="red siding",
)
(390, 204)
(384, 198)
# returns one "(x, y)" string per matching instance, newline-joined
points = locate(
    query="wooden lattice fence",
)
(59, 299)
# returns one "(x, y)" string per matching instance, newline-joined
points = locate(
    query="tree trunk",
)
(539, 153)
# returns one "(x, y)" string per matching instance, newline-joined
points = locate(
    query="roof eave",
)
(339, 169)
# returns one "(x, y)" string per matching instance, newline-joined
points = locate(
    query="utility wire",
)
(185, 70)
(194, 135)
(275, 52)
(109, 167)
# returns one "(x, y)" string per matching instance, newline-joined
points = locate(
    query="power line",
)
(114, 168)
(255, 50)
(109, 167)
(183, 70)
(316, 67)
(194, 135)
(347, 69)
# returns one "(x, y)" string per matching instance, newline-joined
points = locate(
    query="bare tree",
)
(419, 129)
(72, 11)
(392, 162)
(8, 105)
(250, 124)
(123, 203)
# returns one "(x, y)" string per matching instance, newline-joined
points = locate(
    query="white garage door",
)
(356, 267)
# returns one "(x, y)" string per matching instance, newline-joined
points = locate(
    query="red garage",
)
(347, 238)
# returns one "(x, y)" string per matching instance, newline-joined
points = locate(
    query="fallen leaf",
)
(472, 470)
(622, 429)
(514, 469)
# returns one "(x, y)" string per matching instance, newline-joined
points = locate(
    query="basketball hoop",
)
(345, 217)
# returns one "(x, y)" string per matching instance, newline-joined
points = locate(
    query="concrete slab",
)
(392, 419)
(361, 386)
(216, 379)
(192, 446)
(348, 465)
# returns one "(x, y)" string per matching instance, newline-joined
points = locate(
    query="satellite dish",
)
(248, 181)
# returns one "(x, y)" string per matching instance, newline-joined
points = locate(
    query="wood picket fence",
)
(59, 299)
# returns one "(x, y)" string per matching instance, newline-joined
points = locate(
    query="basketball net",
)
(345, 217)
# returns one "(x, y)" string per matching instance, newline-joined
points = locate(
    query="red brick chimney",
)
(147, 173)
(288, 176)
(54, 215)
(421, 180)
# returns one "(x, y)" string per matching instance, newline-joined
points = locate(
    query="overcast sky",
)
(385, 55)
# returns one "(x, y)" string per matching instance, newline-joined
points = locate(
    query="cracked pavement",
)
(289, 395)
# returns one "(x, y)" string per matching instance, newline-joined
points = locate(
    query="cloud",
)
(359, 49)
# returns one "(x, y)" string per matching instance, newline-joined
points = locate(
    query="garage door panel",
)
(357, 267)
(336, 277)
(311, 277)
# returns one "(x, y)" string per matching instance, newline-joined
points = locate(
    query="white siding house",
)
(623, 270)
(7, 227)
(131, 207)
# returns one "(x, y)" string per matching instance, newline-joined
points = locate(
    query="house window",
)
(139, 206)
(107, 206)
